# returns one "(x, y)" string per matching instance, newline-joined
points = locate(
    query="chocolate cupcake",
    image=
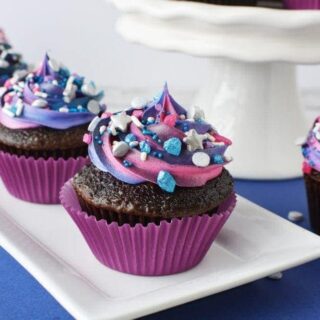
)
(311, 172)
(11, 63)
(43, 117)
(156, 176)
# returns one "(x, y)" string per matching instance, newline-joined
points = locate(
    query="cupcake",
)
(43, 117)
(311, 172)
(10, 62)
(302, 4)
(156, 193)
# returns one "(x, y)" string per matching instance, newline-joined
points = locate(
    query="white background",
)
(81, 34)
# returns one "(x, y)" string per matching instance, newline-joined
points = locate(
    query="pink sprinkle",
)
(8, 84)
(8, 98)
(306, 168)
(137, 113)
(87, 138)
(106, 115)
(170, 120)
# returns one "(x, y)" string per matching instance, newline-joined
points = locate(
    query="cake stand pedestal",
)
(251, 95)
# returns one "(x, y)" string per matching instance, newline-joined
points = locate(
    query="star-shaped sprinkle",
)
(120, 121)
(194, 140)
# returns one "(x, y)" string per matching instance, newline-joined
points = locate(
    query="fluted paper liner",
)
(37, 180)
(313, 196)
(151, 250)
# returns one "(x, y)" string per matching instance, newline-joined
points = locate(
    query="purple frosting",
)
(50, 97)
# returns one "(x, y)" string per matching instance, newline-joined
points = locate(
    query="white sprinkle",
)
(182, 116)
(150, 119)
(136, 121)
(30, 76)
(55, 82)
(8, 112)
(63, 109)
(228, 158)
(4, 63)
(120, 149)
(54, 65)
(21, 84)
(295, 216)
(201, 159)
(89, 89)
(93, 106)
(39, 103)
(93, 124)
(143, 156)
(133, 144)
(102, 129)
(276, 276)
(139, 102)
(70, 81)
(67, 99)
(19, 106)
(41, 94)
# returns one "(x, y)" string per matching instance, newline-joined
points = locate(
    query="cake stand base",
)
(256, 105)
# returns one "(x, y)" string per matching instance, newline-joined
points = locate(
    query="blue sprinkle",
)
(166, 181)
(127, 163)
(154, 137)
(159, 155)
(145, 147)
(96, 138)
(147, 132)
(217, 159)
(130, 138)
(173, 146)
(154, 153)
(159, 141)
(100, 142)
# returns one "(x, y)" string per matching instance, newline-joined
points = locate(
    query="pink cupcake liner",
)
(302, 4)
(37, 180)
(151, 250)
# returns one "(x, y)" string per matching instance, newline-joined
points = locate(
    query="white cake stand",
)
(251, 95)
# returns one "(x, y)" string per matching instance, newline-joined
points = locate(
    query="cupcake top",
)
(311, 148)
(156, 141)
(50, 96)
(10, 61)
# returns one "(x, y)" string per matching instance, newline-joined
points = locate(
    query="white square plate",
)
(253, 244)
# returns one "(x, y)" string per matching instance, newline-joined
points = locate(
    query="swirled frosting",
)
(50, 96)
(10, 61)
(157, 142)
(311, 148)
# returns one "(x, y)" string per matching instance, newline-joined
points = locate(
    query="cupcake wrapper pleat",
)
(302, 4)
(37, 180)
(313, 197)
(151, 250)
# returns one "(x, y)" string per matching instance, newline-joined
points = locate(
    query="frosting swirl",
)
(50, 96)
(156, 142)
(10, 61)
(311, 148)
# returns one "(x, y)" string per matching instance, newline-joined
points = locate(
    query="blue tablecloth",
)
(296, 296)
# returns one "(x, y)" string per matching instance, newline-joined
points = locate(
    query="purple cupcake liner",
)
(302, 4)
(37, 180)
(151, 250)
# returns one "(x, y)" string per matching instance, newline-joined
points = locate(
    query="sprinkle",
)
(127, 163)
(136, 121)
(133, 144)
(55, 82)
(93, 124)
(39, 103)
(194, 140)
(41, 94)
(120, 149)
(210, 137)
(143, 156)
(154, 137)
(130, 138)
(112, 129)
(93, 106)
(150, 120)
(63, 109)
(201, 159)
(19, 108)
(166, 181)
(87, 138)
(228, 158)
(96, 138)
(121, 121)
(147, 132)
(100, 142)
(102, 129)
(295, 216)
(182, 116)
(138, 102)
(276, 276)
(145, 147)
(173, 146)
(217, 159)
